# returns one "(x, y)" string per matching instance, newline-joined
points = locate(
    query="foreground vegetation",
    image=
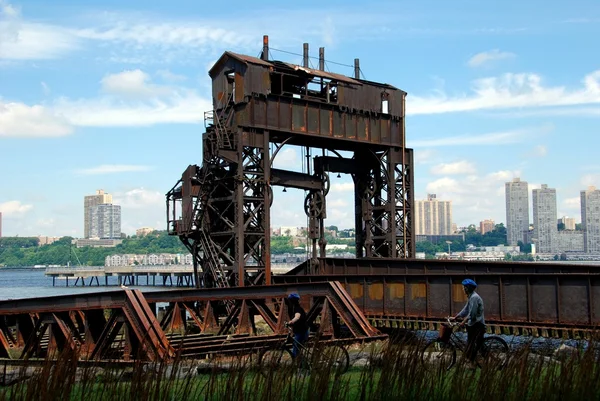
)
(393, 372)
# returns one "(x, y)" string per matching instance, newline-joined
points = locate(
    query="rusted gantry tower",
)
(221, 209)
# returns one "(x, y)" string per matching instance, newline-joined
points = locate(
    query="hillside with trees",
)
(16, 251)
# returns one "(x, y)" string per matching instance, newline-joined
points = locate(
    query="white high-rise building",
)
(105, 221)
(101, 198)
(433, 216)
(544, 218)
(590, 219)
(517, 211)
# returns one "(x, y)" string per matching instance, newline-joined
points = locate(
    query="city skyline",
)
(106, 95)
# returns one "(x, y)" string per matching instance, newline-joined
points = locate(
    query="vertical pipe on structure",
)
(322, 58)
(356, 68)
(267, 208)
(265, 52)
(305, 56)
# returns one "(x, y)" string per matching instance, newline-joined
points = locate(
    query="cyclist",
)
(472, 316)
(298, 322)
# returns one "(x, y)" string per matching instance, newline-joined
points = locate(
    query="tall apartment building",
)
(517, 211)
(105, 221)
(544, 218)
(486, 226)
(569, 222)
(433, 216)
(590, 219)
(90, 201)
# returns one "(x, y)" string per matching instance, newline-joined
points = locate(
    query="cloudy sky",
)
(110, 94)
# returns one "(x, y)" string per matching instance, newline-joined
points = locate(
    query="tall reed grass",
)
(391, 372)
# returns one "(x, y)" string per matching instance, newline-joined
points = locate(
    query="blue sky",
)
(110, 94)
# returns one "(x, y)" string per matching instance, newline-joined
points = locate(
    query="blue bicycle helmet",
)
(469, 282)
(293, 295)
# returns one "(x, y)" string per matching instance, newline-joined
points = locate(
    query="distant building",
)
(153, 259)
(569, 241)
(440, 239)
(433, 217)
(486, 226)
(454, 228)
(0, 224)
(292, 231)
(517, 211)
(89, 202)
(590, 219)
(141, 232)
(98, 243)
(544, 218)
(47, 240)
(105, 222)
(569, 222)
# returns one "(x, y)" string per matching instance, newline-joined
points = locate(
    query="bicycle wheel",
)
(438, 354)
(333, 359)
(493, 352)
(274, 359)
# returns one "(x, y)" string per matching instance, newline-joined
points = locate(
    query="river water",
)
(31, 283)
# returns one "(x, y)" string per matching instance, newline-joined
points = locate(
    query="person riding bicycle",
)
(298, 322)
(472, 315)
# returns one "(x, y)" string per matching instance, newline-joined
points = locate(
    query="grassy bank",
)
(392, 372)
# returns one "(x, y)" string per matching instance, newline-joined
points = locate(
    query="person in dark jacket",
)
(297, 321)
(472, 317)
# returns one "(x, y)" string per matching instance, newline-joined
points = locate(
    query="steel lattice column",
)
(383, 201)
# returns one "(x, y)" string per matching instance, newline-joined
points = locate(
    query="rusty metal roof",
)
(255, 60)
(240, 57)
(324, 74)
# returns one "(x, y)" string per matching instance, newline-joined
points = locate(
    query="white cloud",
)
(134, 84)
(172, 77)
(20, 40)
(540, 151)
(140, 207)
(486, 57)
(128, 99)
(572, 203)
(21, 120)
(45, 88)
(494, 138)
(509, 91)
(341, 187)
(424, 156)
(14, 209)
(287, 158)
(460, 167)
(592, 179)
(139, 198)
(113, 168)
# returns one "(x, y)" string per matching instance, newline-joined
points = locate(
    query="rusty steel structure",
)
(124, 325)
(221, 212)
(221, 209)
(540, 299)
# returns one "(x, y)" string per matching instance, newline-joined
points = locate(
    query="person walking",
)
(472, 317)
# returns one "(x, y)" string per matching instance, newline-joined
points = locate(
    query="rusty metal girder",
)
(527, 295)
(122, 324)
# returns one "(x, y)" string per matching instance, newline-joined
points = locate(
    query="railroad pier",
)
(151, 275)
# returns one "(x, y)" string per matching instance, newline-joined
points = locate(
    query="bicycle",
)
(442, 350)
(319, 356)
